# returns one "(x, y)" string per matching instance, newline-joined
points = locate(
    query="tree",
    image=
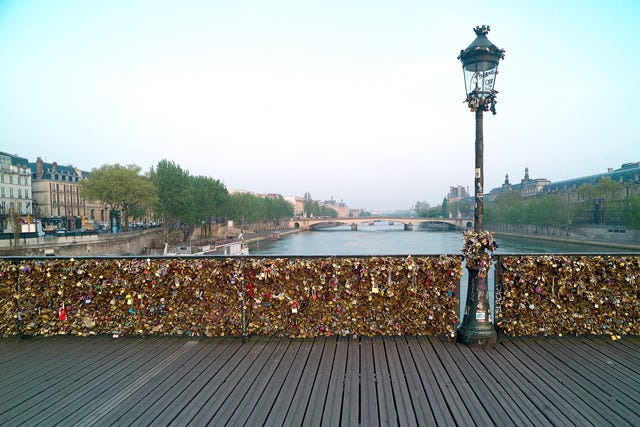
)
(631, 215)
(422, 209)
(122, 187)
(308, 204)
(445, 207)
(185, 201)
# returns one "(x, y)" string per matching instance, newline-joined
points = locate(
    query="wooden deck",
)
(327, 381)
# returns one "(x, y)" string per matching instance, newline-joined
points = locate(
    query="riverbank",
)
(267, 235)
(626, 245)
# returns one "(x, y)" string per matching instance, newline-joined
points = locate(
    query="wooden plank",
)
(491, 360)
(259, 413)
(600, 410)
(368, 385)
(42, 395)
(319, 397)
(550, 402)
(169, 404)
(614, 375)
(546, 370)
(404, 405)
(53, 358)
(92, 394)
(386, 403)
(495, 401)
(139, 405)
(302, 399)
(466, 381)
(221, 381)
(601, 353)
(416, 392)
(243, 390)
(437, 405)
(597, 376)
(619, 351)
(282, 403)
(336, 387)
(494, 386)
(457, 409)
(351, 397)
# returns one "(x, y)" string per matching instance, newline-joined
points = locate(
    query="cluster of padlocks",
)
(554, 295)
(297, 297)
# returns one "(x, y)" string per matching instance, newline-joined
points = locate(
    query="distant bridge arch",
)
(354, 222)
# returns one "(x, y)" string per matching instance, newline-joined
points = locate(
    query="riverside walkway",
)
(351, 381)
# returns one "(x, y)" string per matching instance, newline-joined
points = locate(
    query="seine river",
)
(385, 239)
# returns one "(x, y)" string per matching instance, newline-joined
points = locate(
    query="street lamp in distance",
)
(480, 68)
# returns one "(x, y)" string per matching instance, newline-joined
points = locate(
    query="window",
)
(5, 162)
(26, 194)
(19, 193)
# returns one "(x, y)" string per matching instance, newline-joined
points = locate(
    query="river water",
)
(384, 239)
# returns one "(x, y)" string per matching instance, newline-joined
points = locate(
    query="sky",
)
(359, 101)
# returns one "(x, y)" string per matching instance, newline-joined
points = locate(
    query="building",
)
(527, 186)
(340, 207)
(297, 203)
(457, 193)
(628, 176)
(15, 187)
(56, 195)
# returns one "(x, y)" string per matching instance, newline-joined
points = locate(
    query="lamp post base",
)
(477, 336)
(477, 326)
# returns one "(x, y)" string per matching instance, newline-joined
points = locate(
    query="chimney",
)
(55, 166)
(609, 170)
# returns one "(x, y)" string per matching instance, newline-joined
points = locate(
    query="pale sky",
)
(356, 100)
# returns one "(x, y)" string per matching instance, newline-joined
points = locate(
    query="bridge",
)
(409, 223)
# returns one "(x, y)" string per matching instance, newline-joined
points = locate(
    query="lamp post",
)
(480, 68)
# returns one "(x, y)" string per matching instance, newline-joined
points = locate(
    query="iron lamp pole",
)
(480, 68)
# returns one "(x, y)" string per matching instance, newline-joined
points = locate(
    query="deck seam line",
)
(114, 401)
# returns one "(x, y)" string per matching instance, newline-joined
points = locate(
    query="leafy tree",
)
(608, 188)
(444, 208)
(422, 209)
(308, 204)
(121, 187)
(174, 194)
(631, 215)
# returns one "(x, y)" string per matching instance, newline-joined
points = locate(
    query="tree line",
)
(180, 201)
(604, 202)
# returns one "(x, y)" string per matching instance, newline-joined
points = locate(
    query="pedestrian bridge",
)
(409, 223)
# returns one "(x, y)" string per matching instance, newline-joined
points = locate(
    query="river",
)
(384, 239)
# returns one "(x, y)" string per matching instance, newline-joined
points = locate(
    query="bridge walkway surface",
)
(403, 380)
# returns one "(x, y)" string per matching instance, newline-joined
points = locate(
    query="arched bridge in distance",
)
(355, 222)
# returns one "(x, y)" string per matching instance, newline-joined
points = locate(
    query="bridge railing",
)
(311, 296)
(568, 294)
(211, 296)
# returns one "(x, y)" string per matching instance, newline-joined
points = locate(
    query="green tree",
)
(186, 202)
(308, 204)
(422, 209)
(631, 215)
(444, 208)
(122, 187)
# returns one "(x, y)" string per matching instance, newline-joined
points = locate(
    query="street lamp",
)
(480, 68)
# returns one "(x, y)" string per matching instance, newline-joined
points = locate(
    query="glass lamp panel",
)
(480, 79)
